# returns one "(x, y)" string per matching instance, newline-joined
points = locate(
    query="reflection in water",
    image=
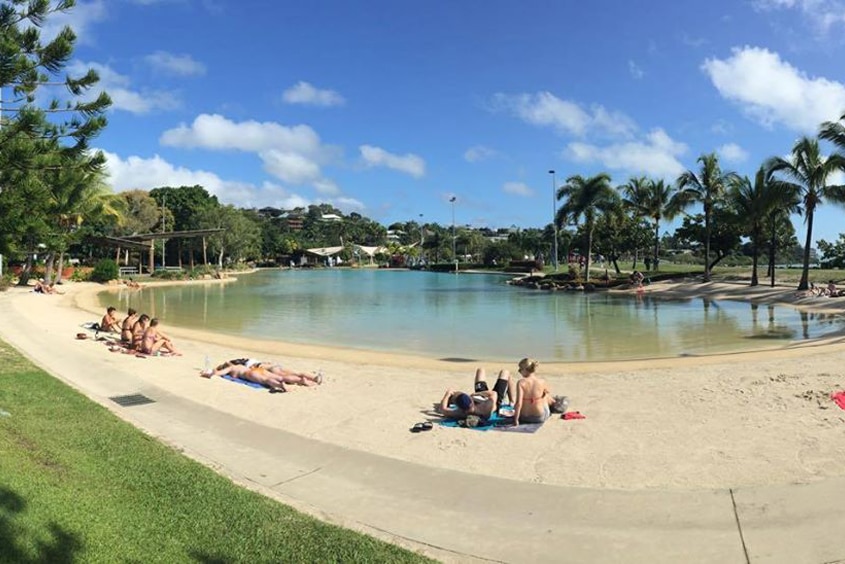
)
(466, 316)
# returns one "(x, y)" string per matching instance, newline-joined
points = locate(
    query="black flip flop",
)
(277, 390)
(424, 426)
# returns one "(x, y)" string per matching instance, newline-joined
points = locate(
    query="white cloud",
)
(292, 154)
(146, 173)
(635, 70)
(822, 15)
(409, 163)
(182, 65)
(773, 91)
(656, 155)
(118, 87)
(81, 18)
(479, 153)
(517, 189)
(547, 110)
(732, 152)
(306, 94)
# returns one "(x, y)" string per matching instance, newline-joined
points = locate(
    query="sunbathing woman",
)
(154, 340)
(138, 329)
(534, 399)
(255, 374)
(287, 376)
(126, 326)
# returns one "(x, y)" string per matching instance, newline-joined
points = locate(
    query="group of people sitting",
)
(531, 398)
(268, 374)
(138, 333)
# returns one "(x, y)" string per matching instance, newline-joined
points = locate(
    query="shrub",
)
(104, 271)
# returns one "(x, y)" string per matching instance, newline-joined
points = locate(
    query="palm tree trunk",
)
(754, 255)
(772, 252)
(656, 244)
(589, 252)
(706, 242)
(804, 284)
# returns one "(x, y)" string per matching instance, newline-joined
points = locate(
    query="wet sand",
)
(717, 421)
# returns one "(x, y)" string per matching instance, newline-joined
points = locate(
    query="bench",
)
(124, 270)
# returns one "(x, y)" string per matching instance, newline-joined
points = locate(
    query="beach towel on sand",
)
(244, 382)
(838, 398)
(497, 423)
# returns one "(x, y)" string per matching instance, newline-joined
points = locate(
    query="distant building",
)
(331, 217)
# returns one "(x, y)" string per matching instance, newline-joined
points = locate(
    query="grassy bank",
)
(77, 484)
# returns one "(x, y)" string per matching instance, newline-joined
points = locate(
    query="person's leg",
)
(481, 381)
(504, 388)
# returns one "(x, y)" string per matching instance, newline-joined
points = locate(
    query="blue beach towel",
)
(244, 382)
(497, 423)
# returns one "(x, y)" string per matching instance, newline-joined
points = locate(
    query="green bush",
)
(169, 274)
(7, 280)
(104, 271)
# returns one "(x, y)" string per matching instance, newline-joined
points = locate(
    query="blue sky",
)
(391, 107)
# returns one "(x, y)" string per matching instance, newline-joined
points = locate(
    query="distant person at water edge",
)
(126, 326)
(831, 289)
(637, 278)
(483, 402)
(534, 400)
(155, 341)
(109, 323)
(288, 376)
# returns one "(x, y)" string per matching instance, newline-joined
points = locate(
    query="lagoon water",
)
(468, 316)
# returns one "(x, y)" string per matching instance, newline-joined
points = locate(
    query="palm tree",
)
(755, 203)
(807, 172)
(706, 187)
(634, 198)
(586, 197)
(650, 198)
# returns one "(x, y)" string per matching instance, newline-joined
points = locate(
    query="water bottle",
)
(207, 365)
(319, 376)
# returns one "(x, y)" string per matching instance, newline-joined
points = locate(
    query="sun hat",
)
(463, 401)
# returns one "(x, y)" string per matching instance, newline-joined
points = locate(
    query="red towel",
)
(577, 414)
(838, 398)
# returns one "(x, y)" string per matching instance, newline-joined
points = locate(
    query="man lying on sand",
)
(482, 402)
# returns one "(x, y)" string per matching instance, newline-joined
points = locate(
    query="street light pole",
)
(554, 215)
(454, 253)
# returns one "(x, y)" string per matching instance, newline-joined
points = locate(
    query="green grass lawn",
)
(77, 484)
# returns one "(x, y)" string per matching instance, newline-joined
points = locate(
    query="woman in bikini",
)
(126, 326)
(533, 397)
(154, 340)
(138, 329)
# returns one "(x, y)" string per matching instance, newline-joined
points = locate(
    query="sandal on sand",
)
(424, 426)
(81, 336)
(277, 390)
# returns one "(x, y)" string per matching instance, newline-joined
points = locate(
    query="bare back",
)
(534, 395)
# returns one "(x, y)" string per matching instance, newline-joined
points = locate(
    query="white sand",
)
(683, 423)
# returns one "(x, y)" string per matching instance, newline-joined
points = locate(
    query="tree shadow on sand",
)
(61, 548)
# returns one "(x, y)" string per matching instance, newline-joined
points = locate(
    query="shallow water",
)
(468, 316)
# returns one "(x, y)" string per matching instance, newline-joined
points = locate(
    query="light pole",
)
(454, 253)
(554, 214)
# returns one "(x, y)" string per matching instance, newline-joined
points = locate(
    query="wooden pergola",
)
(146, 242)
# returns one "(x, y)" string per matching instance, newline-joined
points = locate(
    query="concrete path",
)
(459, 517)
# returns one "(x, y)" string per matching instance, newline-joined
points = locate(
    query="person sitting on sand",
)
(109, 323)
(138, 329)
(288, 376)
(155, 341)
(126, 326)
(534, 399)
(831, 289)
(42, 287)
(482, 402)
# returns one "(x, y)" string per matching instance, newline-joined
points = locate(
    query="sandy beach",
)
(719, 421)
